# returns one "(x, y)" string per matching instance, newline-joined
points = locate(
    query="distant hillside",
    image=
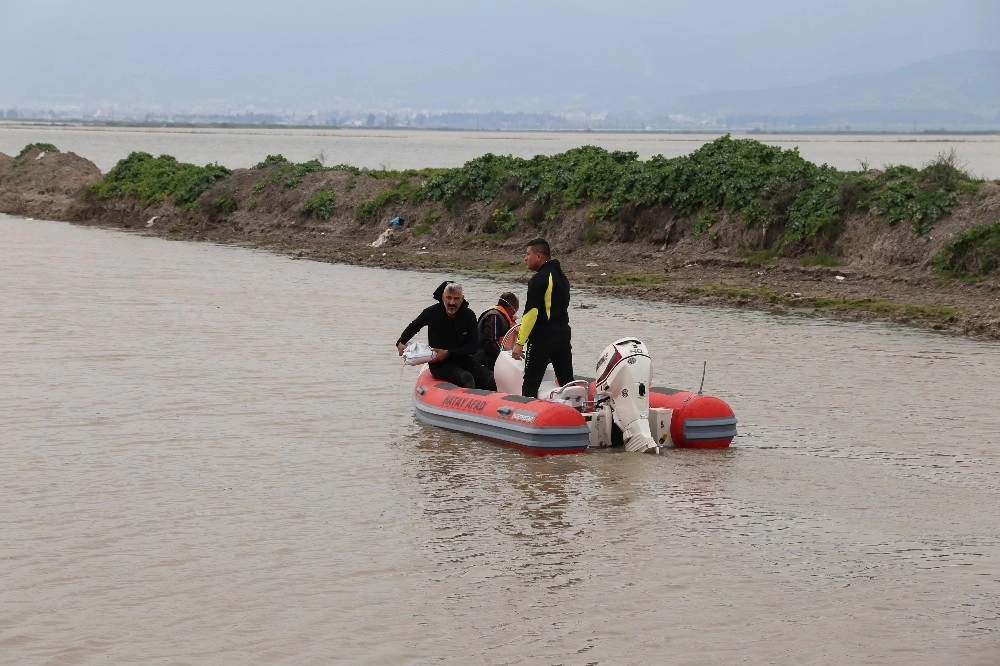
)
(958, 91)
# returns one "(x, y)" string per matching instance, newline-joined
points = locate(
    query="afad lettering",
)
(461, 402)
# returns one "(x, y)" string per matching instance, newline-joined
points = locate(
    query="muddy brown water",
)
(210, 456)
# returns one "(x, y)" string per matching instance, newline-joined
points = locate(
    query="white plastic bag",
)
(417, 353)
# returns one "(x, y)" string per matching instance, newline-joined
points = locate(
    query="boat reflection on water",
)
(559, 520)
(500, 513)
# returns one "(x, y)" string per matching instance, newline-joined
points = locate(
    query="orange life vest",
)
(503, 313)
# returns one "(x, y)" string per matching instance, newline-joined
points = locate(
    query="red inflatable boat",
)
(619, 408)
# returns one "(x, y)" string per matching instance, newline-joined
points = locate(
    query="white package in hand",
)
(417, 353)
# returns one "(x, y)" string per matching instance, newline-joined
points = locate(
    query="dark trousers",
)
(463, 371)
(488, 360)
(553, 346)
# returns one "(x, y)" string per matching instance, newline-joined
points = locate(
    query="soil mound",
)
(44, 184)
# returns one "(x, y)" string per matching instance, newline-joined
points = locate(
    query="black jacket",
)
(458, 335)
(547, 304)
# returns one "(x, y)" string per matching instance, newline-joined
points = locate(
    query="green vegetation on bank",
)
(794, 207)
(768, 188)
(972, 254)
(289, 174)
(151, 180)
(320, 205)
(403, 191)
(41, 147)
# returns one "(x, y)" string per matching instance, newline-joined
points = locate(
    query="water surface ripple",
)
(210, 456)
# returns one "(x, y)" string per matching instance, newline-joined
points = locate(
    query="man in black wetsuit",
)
(451, 332)
(545, 333)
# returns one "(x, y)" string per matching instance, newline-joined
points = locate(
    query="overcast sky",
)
(533, 55)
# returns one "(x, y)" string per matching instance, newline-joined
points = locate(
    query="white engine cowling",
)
(624, 374)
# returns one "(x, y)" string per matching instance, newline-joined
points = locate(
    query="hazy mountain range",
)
(957, 92)
(953, 91)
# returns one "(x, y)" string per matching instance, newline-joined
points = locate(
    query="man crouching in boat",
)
(493, 326)
(452, 333)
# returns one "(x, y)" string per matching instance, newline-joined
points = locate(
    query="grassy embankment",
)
(784, 205)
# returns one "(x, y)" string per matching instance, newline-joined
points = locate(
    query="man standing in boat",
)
(493, 326)
(545, 334)
(451, 332)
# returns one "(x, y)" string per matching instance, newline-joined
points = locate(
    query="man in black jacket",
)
(545, 324)
(451, 333)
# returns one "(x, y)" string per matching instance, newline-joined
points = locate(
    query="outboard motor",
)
(624, 374)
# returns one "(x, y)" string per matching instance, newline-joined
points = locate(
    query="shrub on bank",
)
(919, 196)
(42, 147)
(288, 173)
(401, 192)
(320, 205)
(151, 180)
(974, 253)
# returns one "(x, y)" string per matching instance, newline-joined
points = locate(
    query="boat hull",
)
(542, 427)
(697, 421)
(535, 426)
